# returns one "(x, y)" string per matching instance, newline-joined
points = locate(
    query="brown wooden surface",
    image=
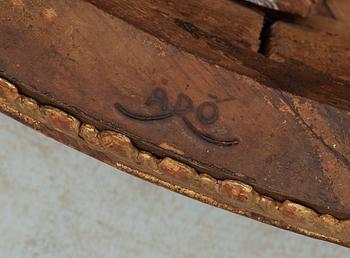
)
(78, 58)
(327, 25)
(209, 17)
(325, 48)
(340, 9)
(324, 44)
(217, 48)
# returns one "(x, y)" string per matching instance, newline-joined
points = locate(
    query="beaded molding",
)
(118, 151)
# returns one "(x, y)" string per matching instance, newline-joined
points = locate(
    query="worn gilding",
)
(117, 150)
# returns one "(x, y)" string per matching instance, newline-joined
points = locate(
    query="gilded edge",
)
(117, 150)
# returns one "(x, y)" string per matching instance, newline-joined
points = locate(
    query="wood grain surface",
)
(325, 48)
(226, 49)
(186, 92)
(340, 9)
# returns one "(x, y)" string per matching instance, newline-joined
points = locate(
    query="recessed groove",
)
(265, 34)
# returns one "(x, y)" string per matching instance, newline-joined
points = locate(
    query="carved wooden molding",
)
(197, 96)
(117, 150)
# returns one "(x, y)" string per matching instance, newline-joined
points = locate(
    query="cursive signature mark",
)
(207, 113)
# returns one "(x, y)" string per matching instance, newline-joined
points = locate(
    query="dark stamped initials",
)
(207, 113)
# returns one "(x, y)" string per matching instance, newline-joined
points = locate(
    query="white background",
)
(57, 202)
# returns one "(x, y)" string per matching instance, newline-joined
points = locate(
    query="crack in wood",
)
(336, 153)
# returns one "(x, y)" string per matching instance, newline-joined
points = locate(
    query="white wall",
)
(57, 202)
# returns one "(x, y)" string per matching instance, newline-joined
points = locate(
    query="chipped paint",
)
(171, 148)
(50, 14)
(18, 3)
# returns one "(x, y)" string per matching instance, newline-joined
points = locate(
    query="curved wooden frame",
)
(118, 151)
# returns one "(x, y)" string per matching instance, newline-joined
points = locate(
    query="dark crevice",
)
(265, 34)
(212, 39)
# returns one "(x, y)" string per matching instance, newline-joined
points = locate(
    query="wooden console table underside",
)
(178, 94)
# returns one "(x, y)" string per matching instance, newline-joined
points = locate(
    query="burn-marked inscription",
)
(207, 113)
